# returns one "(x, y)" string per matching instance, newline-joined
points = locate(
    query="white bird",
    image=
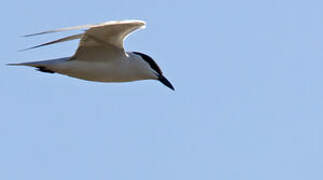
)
(100, 55)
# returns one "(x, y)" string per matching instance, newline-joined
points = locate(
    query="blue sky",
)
(248, 100)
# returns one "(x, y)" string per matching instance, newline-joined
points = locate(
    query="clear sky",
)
(248, 103)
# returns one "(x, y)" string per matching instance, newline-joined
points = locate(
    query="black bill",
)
(163, 80)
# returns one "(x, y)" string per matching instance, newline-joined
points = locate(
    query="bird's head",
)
(155, 68)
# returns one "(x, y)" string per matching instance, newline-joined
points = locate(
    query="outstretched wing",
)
(106, 39)
(100, 39)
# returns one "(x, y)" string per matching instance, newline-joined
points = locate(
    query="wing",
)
(106, 39)
(100, 39)
(62, 29)
(68, 38)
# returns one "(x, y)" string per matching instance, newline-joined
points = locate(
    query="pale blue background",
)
(248, 102)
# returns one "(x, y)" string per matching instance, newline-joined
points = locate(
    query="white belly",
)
(110, 71)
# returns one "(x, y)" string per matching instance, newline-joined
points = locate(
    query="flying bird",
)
(101, 56)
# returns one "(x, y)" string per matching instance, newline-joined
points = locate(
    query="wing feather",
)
(68, 38)
(107, 37)
(99, 41)
(61, 30)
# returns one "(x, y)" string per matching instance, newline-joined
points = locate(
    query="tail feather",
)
(39, 67)
(41, 63)
(32, 64)
(43, 66)
(14, 64)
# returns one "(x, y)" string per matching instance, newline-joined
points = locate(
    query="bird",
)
(100, 55)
